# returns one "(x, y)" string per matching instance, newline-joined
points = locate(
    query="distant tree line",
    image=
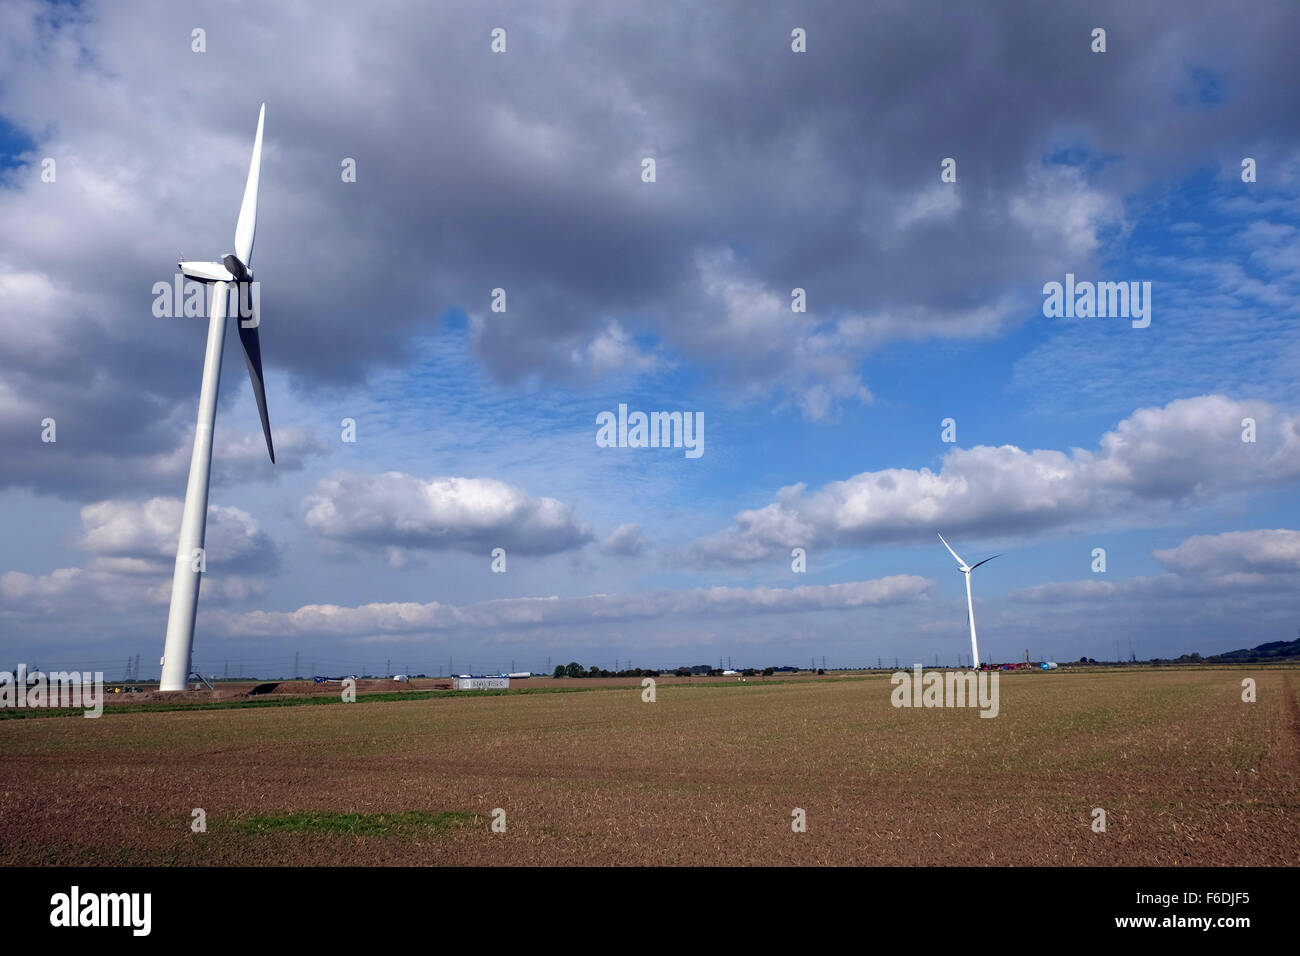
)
(1272, 651)
(574, 669)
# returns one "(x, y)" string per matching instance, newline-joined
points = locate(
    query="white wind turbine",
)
(232, 270)
(970, 605)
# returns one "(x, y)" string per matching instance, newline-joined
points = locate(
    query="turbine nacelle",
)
(237, 269)
(962, 566)
(228, 269)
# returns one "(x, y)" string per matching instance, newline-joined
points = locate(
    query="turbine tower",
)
(232, 272)
(970, 605)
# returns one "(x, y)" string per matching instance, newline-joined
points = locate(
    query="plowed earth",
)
(1186, 772)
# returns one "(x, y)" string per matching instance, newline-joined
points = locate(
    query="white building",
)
(482, 683)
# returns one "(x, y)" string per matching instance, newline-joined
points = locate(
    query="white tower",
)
(230, 274)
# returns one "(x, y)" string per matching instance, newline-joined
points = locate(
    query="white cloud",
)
(1234, 564)
(1275, 551)
(612, 350)
(465, 514)
(627, 540)
(1058, 208)
(1154, 461)
(70, 592)
(754, 333)
(941, 202)
(148, 530)
(133, 549)
(602, 609)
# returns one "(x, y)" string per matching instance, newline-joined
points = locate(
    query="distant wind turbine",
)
(232, 270)
(970, 605)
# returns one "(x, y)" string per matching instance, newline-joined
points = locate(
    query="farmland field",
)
(707, 774)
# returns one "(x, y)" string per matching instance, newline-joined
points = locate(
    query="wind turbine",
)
(232, 271)
(970, 605)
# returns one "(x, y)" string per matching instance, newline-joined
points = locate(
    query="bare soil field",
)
(709, 773)
(272, 690)
(252, 690)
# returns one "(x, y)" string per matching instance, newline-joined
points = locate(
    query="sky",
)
(921, 171)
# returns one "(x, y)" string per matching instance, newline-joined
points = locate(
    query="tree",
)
(594, 672)
(574, 669)
(560, 670)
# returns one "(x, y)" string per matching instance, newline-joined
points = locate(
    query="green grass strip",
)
(405, 823)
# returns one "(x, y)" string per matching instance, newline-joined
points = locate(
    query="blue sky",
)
(477, 429)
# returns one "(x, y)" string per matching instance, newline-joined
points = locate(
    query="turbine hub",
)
(237, 268)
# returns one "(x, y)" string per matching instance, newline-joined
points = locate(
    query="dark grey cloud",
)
(521, 171)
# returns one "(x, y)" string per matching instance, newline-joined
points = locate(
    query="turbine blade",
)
(952, 552)
(246, 226)
(985, 561)
(253, 359)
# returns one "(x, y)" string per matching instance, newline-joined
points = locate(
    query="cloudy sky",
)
(824, 429)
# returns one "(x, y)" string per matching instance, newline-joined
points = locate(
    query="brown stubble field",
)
(709, 774)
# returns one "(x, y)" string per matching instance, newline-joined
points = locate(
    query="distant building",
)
(482, 683)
